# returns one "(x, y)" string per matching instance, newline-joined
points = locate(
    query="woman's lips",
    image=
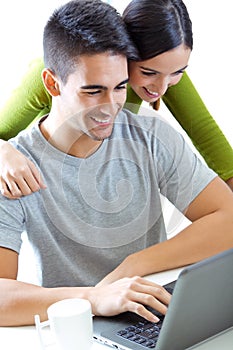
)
(151, 93)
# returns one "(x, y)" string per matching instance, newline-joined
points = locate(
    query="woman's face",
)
(151, 78)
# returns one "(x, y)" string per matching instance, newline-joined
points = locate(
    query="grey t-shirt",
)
(98, 210)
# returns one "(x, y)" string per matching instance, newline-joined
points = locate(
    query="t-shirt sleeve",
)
(11, 224)
(181, 174)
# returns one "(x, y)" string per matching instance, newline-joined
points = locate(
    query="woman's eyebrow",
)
(181, 69)
(149, 69)
(155, 71)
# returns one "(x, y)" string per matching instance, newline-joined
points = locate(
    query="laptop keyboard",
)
(144, 332)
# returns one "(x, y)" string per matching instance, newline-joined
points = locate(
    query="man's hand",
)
(129, 294)
(18, 175)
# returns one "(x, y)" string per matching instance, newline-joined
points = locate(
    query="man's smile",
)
(104, 121)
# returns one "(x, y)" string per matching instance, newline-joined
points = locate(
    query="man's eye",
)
(121, 87)
(93, 92)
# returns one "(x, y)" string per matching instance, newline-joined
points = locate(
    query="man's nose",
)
(110, 106)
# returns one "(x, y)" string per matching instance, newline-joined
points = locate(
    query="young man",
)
(99, 223)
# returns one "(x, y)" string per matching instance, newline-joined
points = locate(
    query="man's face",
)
(94, 94)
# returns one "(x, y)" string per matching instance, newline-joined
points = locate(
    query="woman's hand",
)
(129, 294)
(230, 183)
(18, 175)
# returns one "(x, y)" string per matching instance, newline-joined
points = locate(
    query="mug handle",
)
(39, 327)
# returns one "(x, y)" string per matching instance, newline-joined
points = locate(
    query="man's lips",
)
(101, 121)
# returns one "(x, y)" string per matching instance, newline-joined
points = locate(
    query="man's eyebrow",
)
(89, 87)
(155, 71)
(101, 87)
(124, 82)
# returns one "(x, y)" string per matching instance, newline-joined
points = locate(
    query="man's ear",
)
(50, 82)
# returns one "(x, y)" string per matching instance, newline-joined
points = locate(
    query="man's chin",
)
(98, 135)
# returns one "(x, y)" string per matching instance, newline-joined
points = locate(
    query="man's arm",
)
(211, 231)
(20, 301)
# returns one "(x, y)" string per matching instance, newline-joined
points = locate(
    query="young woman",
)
(164, 40)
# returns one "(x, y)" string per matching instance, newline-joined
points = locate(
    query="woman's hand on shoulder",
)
(18, 175)
(230, 183)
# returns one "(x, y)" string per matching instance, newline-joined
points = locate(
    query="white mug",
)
(70, 322)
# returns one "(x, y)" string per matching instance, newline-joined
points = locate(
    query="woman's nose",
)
(162, 85)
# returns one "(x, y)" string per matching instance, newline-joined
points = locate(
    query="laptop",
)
(201, 306)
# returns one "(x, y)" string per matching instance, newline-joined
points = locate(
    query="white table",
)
(25, 338)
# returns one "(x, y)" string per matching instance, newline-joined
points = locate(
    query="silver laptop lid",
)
(201, 304)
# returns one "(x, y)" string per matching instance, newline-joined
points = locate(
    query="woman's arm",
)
(29, 101)
(189, 110)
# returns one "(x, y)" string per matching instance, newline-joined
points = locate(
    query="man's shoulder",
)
(150, 123)
(27, 140)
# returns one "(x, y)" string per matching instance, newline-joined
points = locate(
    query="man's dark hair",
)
(84, 27)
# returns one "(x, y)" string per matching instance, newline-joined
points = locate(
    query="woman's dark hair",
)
(157, 26)
(84, 27)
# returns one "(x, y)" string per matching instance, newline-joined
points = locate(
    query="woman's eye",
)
(179, 72)
(148, 73)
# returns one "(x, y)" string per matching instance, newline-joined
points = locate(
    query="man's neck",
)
(69, 141)
(84, 147)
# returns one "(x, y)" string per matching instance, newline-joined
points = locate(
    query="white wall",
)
(21, 27)
(211, 61)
